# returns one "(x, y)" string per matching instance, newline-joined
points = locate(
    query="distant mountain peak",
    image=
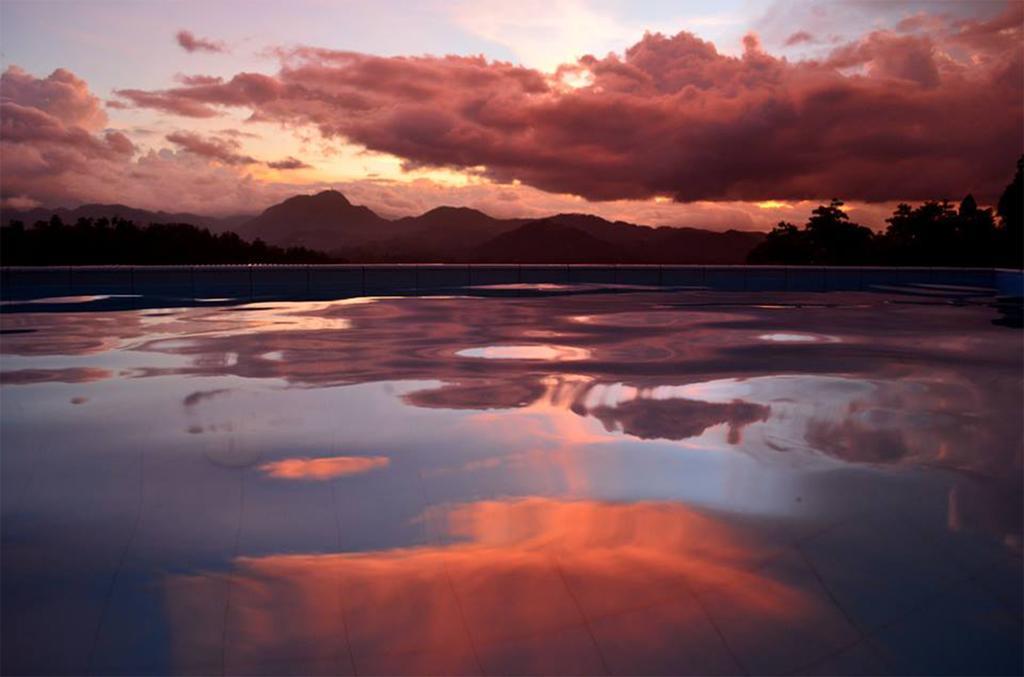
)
(325, 221)
(448, 209)
(331, 193)
(329, 196)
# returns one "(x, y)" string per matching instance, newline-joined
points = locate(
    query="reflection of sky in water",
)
(512, 485)
(795, 338)
(539, 352)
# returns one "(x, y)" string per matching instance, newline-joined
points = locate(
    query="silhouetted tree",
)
(1011, 213)
(828, 238)
(933, 233)
(920, 236)
(936, 234)
(976, 234)
(785, 244)
(834, 239)
(119, 241)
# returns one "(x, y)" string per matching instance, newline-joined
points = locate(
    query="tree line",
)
(120, 241)
(931, 234)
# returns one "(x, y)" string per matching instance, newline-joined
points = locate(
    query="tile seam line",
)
(806, 559)
(227, 594)
(872, 635)
(341, 593)
(583, 615)
(120, 565)
(435, 539)
(714, 624)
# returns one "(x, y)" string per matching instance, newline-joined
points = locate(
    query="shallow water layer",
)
(632, 483)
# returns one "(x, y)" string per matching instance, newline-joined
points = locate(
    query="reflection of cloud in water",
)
(678, 419)
(516, 569)
(905, 387)
(81, 333)
(933, 384)
(194, 398)
(478, 395)
(68, 375)
(781, 337)
(323, 468)
(536, 352)
(913, 386)
(259, 318)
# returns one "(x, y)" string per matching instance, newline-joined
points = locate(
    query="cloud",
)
(890, 56)
(190, 43)
(199, 79)
(48, 162)
(62, 95)
(238, 133)
(24, 125)
(213, 148)
(19, 202)
(166, 103)
(57, 150)
(289, 163)
(798, 38)
(889, 116)
(919, 21)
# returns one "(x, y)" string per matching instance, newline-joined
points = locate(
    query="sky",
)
(730, 114)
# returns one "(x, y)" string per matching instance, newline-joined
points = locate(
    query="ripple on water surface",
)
(257, 481)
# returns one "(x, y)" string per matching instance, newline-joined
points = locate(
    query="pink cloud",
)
(57, 151)
(19, 202)
(61, 95)
(893, 57)
(48, 162)
(238, 133)
(799, 37)
(190, 43)
(887, 117)
(921, 21)
(289, 163)
(199, 79)
(28, 125)
(221, 150)
(166, 103)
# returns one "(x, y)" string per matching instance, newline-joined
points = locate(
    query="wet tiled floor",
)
(629, 483)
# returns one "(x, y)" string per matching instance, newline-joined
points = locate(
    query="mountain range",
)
(329, 222)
